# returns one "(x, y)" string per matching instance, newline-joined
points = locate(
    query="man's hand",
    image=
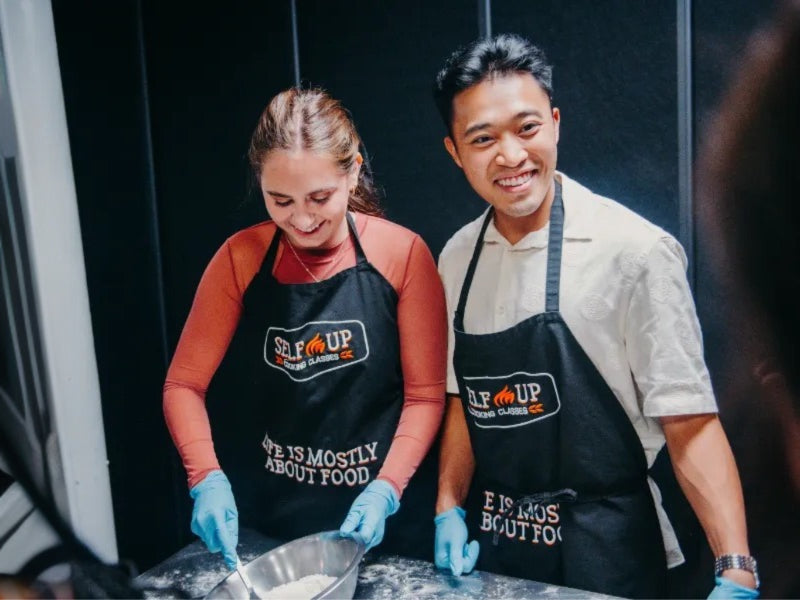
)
(214, 516)
(727, 588)
(451, 550)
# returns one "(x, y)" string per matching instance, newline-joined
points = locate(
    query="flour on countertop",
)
(397, 578)
(400, 579)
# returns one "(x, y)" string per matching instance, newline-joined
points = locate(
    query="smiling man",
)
(575, 354)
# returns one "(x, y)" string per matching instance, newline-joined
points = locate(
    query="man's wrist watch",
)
(736, 561)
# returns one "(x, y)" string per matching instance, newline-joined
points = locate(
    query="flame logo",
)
(315, 346)
(346, 354)
(504, 397)
(536, 409)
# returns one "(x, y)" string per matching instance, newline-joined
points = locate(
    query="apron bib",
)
(560, 491)
(308, 397)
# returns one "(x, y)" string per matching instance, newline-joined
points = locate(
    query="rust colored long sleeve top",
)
(398, 254)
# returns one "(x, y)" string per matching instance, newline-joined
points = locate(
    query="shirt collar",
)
(579, 211)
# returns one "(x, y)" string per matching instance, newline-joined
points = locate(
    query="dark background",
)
(162, 97)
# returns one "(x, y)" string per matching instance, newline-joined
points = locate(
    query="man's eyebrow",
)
(520, 115)
(477, 127)
(278, 194)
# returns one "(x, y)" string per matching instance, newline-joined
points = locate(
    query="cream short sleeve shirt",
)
(624, 295)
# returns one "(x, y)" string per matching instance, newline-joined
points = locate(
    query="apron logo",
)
(511, 400)
(315, 348)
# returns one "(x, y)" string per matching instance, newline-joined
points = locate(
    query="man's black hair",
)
(503, 54)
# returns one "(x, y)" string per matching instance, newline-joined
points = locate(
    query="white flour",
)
(304, 588)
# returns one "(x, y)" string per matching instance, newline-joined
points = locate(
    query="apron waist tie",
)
(563, 495)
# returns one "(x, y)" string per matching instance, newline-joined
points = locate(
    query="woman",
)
(331, 324)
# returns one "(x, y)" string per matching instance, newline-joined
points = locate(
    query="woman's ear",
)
(356, 170)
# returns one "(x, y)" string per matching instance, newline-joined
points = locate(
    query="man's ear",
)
(557, 122)
(451, 150)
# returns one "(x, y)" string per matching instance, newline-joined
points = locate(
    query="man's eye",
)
(483, 139)
(282, 203)
(530, 127)
(321, 199)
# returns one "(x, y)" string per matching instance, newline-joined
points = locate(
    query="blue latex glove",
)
(451, 550)
(367, 517)
(214, 517)
(726, 588)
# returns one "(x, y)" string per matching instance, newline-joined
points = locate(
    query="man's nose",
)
(510, 152)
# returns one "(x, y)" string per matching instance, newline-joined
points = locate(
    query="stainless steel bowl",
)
(325, 553)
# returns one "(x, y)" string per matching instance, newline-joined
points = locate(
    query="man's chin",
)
(519, 210)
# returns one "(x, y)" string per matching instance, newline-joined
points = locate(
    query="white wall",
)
(76, 449)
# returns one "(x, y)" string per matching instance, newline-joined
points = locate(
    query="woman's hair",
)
(309, 119)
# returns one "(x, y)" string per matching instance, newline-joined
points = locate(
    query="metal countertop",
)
(195, 571)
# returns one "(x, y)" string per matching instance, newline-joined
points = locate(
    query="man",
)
(575, 353)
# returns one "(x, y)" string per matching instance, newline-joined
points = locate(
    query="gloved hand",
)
(726, 588)
(214, 517)
(367, 517)
(451, 550)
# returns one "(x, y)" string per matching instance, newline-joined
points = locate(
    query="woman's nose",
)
(303, 219)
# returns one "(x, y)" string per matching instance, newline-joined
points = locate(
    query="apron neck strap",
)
(462, 299)
(272, 252)
(351, 223)
(554, 243)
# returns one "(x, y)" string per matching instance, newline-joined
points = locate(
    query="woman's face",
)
(306, 194)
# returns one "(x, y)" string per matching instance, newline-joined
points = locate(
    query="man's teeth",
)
(514, 181)
(307, 230)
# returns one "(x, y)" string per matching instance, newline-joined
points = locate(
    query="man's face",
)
(504, 137)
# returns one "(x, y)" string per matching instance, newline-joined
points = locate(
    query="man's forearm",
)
(706, 471)
(456, 461)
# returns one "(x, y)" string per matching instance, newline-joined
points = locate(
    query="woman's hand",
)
(214, 517)
(367, 517)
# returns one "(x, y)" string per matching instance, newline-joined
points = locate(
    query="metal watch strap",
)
(736, 561)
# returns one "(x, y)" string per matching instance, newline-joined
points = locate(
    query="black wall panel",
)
(212, 68)
(380, 59)
(105, 105)
(614, 78)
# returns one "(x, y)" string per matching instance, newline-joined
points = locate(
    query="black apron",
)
(308, 397)
(560, 491)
